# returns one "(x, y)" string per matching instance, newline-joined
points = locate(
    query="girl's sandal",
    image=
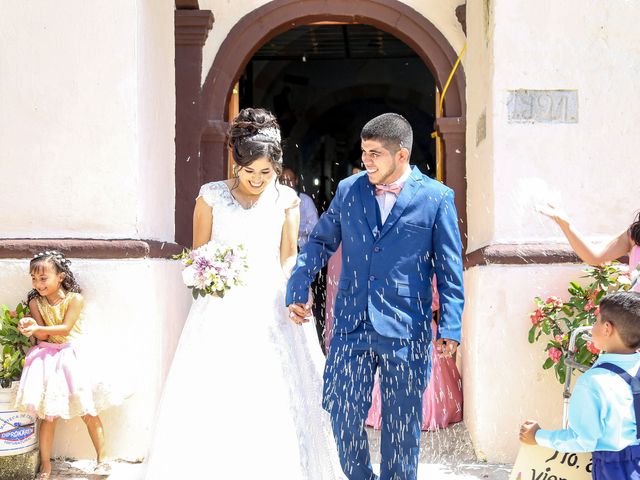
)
(43, 476)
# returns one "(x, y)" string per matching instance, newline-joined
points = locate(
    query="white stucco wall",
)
(155, 51)
(504, 383)
(589, 167)
(479, 67)
(87, 133)
(129, 311)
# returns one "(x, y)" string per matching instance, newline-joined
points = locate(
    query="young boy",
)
(603, 409)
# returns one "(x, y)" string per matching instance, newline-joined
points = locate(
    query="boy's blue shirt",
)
(601, 415)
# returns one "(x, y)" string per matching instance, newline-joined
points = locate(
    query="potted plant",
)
(557, 318)
(18, 438)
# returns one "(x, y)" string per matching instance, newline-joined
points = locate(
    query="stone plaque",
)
(543, 106)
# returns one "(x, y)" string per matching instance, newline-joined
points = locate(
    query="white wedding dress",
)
(243, 396)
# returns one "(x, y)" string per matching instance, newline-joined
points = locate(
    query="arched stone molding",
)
(278, 16)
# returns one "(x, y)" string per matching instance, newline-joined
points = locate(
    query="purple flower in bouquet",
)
(212, 269)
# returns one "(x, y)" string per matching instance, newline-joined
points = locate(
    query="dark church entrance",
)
(324, 81)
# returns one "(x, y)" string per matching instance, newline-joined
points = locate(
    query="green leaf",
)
(561, 371)
(532, 333)
(548, 363)
(585, 357)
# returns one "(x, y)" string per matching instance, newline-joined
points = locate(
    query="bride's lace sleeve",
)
(210, 192)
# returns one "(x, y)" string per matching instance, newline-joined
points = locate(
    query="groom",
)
(397, 227)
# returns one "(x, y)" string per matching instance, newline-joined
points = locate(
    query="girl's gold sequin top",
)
(54, 315)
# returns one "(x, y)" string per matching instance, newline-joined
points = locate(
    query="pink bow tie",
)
(395, 188)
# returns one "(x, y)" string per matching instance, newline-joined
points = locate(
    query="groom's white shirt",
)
(387, 200)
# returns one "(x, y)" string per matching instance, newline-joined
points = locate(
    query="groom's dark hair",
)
(390, 129)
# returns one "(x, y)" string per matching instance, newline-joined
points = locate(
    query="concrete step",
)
(441, 446)
(444, 455)
(83, 470)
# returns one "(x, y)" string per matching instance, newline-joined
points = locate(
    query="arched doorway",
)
(278, 16)
(324, 81)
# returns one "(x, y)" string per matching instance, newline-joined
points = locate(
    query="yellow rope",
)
(439, 173)
(453, 71)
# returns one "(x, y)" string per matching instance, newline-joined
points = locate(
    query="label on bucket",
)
(17, 432)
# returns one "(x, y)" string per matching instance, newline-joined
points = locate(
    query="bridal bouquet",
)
(212, 269)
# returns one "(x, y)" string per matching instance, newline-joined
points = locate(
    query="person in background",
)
(626, 242)
(308, 211)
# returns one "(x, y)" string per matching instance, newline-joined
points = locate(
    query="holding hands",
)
(300, 313)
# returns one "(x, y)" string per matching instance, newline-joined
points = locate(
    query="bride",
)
(243, 395)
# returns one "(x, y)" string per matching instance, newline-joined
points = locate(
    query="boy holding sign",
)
(605, 402)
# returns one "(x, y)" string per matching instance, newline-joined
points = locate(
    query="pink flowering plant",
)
(556, 318)
(212, 269)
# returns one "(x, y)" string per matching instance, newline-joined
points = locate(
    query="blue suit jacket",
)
(387, 272)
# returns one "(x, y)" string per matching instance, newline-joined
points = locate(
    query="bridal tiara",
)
(272, 133)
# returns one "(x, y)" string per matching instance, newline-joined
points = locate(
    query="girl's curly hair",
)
(60, 264)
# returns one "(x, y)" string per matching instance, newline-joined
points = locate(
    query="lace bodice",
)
(258, 229)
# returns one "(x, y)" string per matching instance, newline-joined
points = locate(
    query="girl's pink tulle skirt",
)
(60, 381)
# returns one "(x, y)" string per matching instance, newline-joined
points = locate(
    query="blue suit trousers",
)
(404, 369)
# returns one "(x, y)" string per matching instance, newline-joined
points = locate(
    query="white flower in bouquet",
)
(189, 276)
(212, 269)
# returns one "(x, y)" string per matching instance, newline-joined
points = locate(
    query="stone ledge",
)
(523, 254)
(88, 248)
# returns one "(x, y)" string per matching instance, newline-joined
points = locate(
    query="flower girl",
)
(58, 380)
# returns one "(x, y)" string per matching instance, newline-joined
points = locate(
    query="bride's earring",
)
(235, 171)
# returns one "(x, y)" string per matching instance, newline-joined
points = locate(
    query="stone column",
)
(452, 131)
(214, 137)
(191, 31)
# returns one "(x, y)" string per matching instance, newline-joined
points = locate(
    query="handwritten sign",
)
(539, 463)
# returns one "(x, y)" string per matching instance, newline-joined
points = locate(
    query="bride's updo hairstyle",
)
(253, 134)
